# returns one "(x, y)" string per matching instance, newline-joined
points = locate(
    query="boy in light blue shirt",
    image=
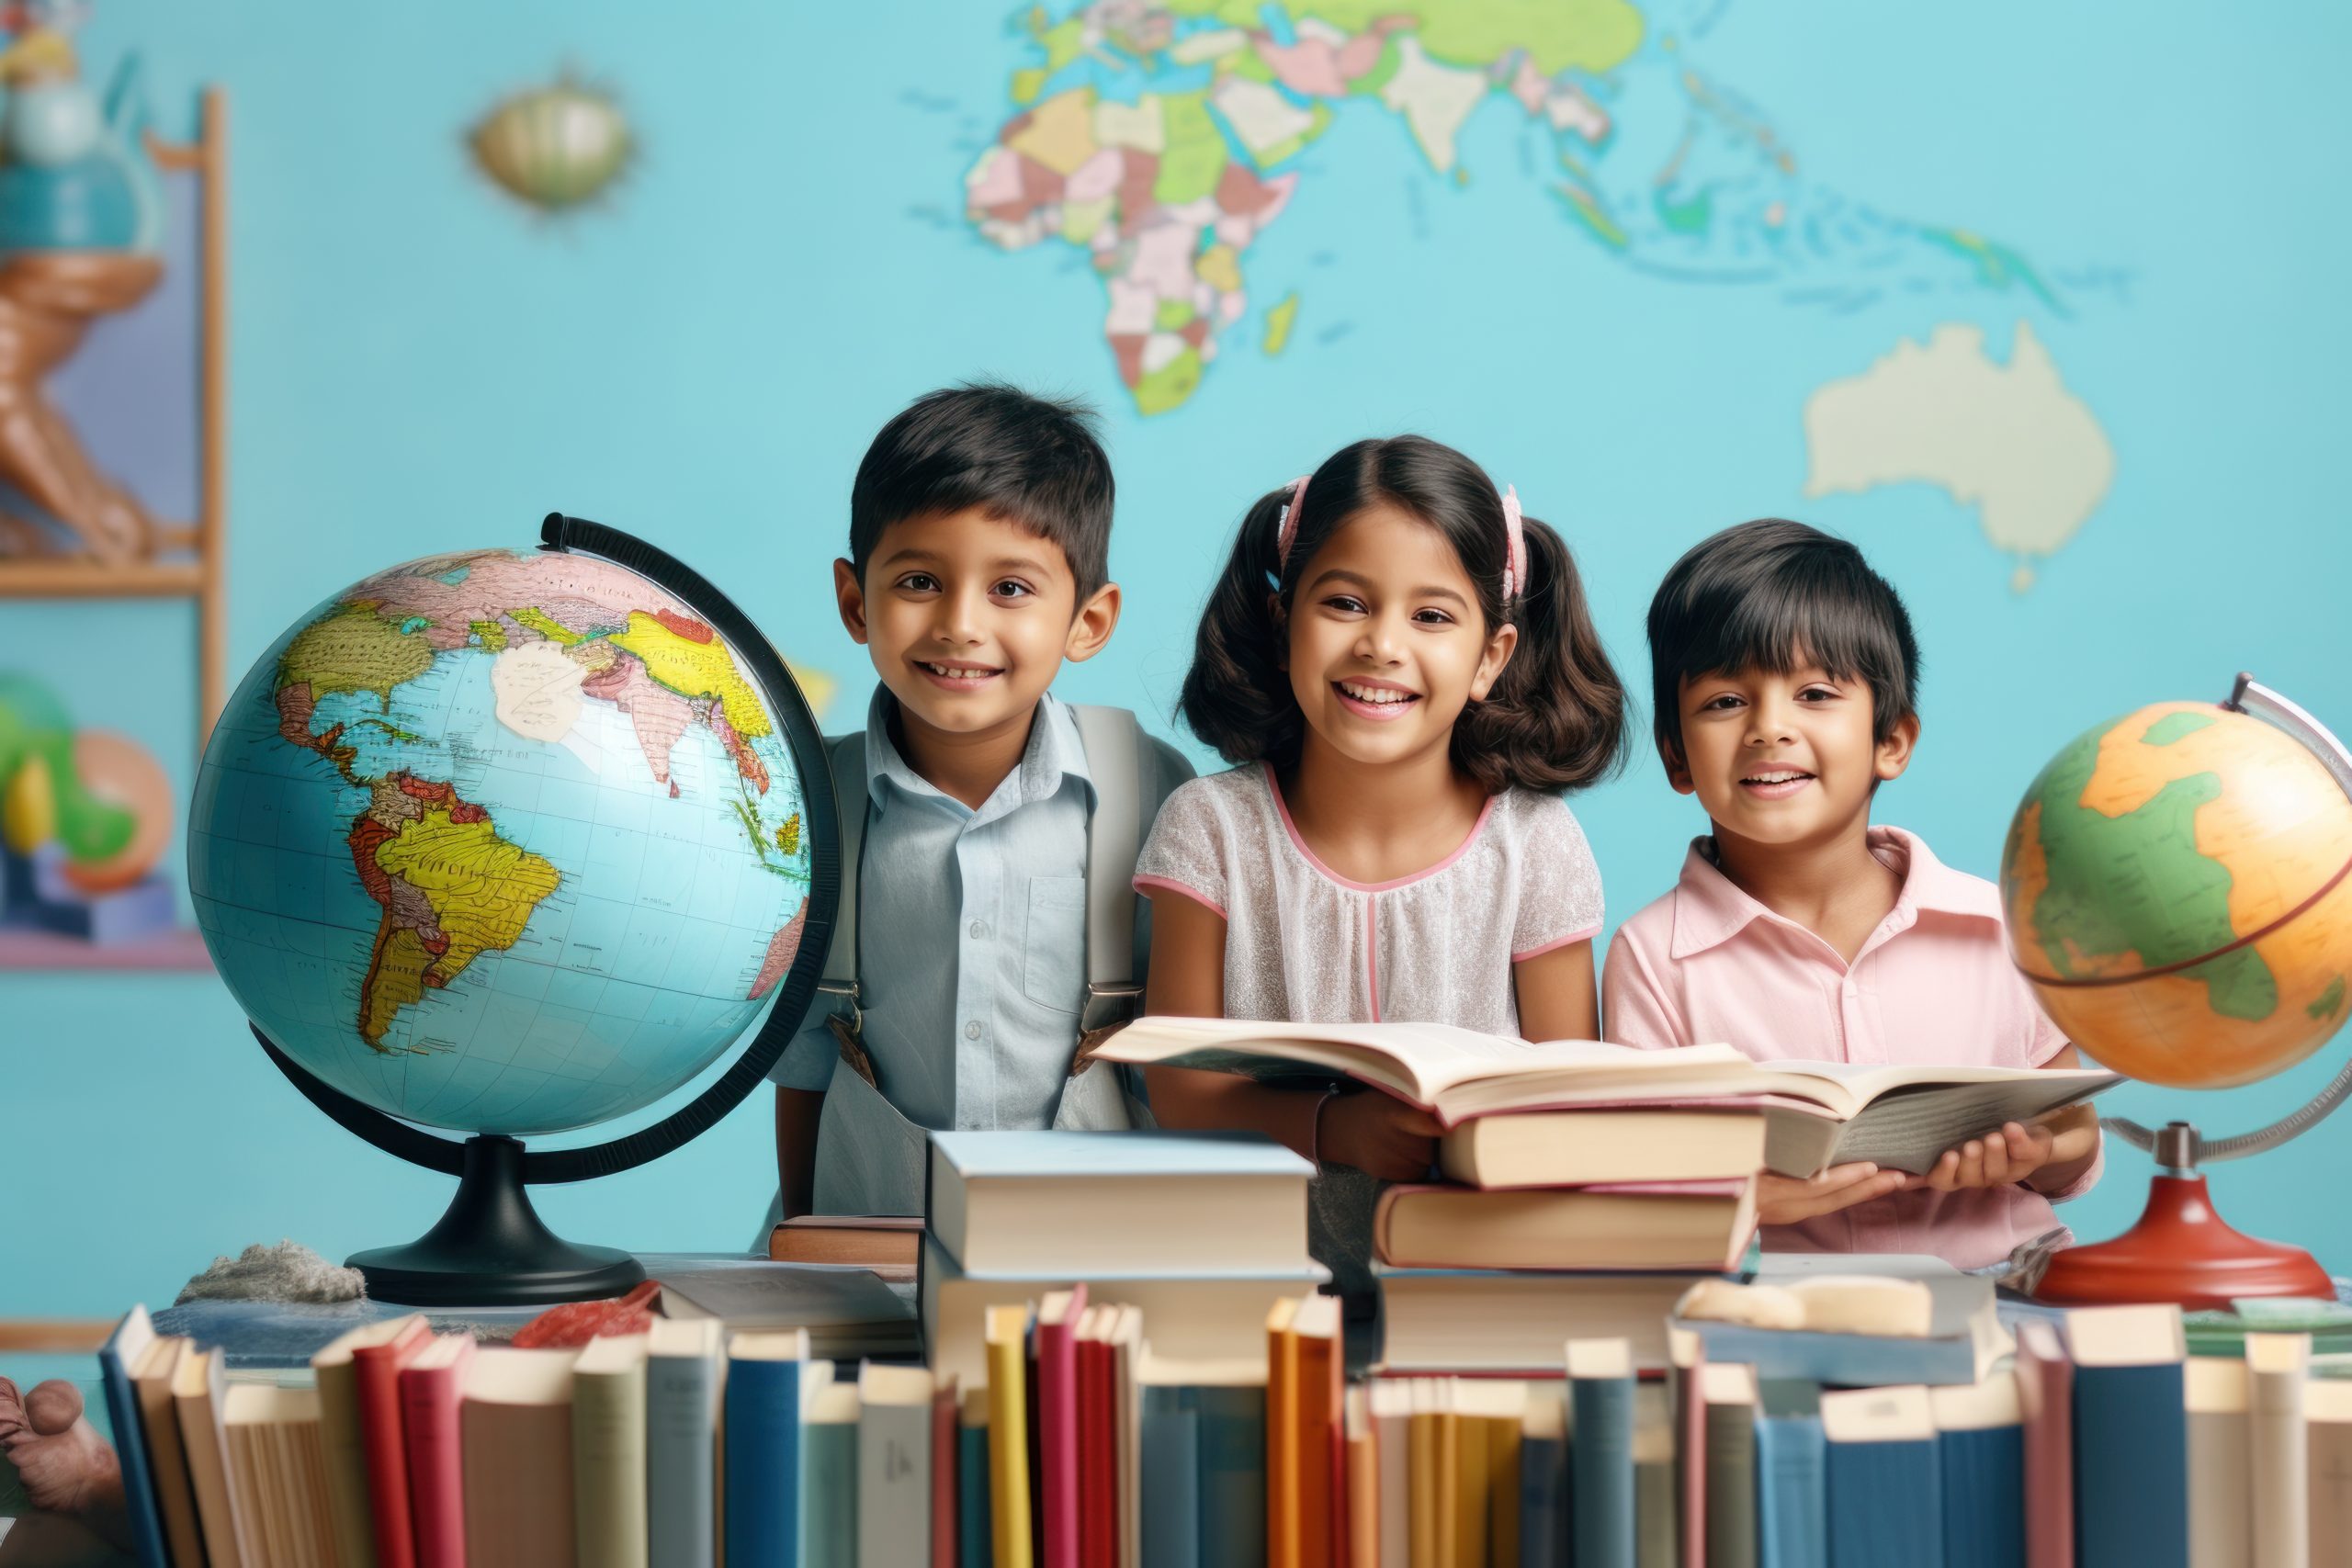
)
(958, 984)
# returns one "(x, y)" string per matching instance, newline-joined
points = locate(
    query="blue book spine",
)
(680, 1403)
(1602, 1465)
(1984, 1479)
(1543, 1526)
(2130, 1468)
(1171, 1480)
(1232, 1461)
(973, 1542)
(764, 1462)
(130, 1440)
(1791, 1497)
(1885, 1504)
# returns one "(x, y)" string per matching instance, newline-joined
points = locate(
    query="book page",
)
(1847, 1087)
(1909, 1129)
(1419, 1062)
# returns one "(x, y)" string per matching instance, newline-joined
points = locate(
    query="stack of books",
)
(1584, 1223)
(1203, 1231)
(2099, 1440)
(1589, 1184)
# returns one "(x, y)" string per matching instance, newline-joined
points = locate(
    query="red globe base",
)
(2180, 1251)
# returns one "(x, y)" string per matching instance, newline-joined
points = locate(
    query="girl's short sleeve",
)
(1189, 848)
(1559, 892)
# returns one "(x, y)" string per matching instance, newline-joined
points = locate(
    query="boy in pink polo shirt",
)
(1784, 675)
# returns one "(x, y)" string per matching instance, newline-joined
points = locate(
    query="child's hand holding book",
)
(1786, 1199)
(1378, 1134)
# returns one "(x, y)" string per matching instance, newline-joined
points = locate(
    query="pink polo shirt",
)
(1933, 983)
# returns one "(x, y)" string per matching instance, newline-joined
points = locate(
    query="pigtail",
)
(1555, 717)
(1236, 697)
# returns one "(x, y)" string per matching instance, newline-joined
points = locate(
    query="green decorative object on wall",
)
(554, 148)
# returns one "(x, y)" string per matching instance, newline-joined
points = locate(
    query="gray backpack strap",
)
(1114, 746)
(847, 760)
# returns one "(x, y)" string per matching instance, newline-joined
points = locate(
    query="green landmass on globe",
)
(2176, 891)
(543, 763)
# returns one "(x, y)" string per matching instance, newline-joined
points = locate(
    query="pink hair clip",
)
(1514, 547)
(1287, 529)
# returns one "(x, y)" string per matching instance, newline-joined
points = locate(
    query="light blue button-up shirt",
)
(973, 940)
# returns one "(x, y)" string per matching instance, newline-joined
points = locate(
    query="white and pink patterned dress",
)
(1303, 945)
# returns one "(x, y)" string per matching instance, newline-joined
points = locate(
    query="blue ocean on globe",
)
(463, 896)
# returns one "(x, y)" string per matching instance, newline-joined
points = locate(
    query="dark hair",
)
(1027, 460)
(1553, 719)
(1775, 596)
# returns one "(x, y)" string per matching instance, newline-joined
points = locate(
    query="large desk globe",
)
(2175, 889)
(500, 842)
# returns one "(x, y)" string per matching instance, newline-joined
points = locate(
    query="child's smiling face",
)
(968, 618)
(1784, 760)
(1385, 641)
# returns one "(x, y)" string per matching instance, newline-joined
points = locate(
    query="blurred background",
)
(2030, 303)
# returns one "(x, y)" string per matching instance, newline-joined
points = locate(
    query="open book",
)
(1818, 1113)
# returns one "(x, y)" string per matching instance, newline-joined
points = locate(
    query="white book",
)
(893, 1466)
(2220, 1523)
(608, 1435)
(2280, 1476)
(277, 1472)
(1125, 1335)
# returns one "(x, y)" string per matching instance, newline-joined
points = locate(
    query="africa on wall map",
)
(1163, 140)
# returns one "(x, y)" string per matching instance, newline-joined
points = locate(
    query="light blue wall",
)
(416, 365)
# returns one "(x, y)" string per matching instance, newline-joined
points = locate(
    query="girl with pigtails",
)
(1403, 669)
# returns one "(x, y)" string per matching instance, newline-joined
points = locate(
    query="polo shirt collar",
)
(1053, 755)
(1710, 910)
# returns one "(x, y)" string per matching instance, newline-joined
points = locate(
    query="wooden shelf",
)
(180, 949)
(54, 1335)
(79, 577)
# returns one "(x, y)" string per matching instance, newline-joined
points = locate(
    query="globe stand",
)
(2181, 1251)
(491, 1249)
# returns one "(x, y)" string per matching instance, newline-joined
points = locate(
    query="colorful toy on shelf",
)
(2177, 890)
(81, 225)
(85, 817)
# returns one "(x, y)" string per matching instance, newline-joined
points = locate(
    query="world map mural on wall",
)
(1162, 140)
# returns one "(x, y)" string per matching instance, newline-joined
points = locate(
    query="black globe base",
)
(491, 1249)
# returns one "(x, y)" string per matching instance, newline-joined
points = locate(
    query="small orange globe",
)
(2177, 894)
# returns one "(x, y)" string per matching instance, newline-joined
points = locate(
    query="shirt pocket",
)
(1053, 963)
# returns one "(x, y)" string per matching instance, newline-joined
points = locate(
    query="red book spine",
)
(377, 1370)
(1057, 1434)
(1690, 1458)
(435, 1502)
(1098, 1503)
(946, 1495)
(2047, 1381)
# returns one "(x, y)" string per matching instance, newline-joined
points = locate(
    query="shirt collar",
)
(1710, 910)
(1053, 755)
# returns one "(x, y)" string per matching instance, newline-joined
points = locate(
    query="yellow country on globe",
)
(2176, 891)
